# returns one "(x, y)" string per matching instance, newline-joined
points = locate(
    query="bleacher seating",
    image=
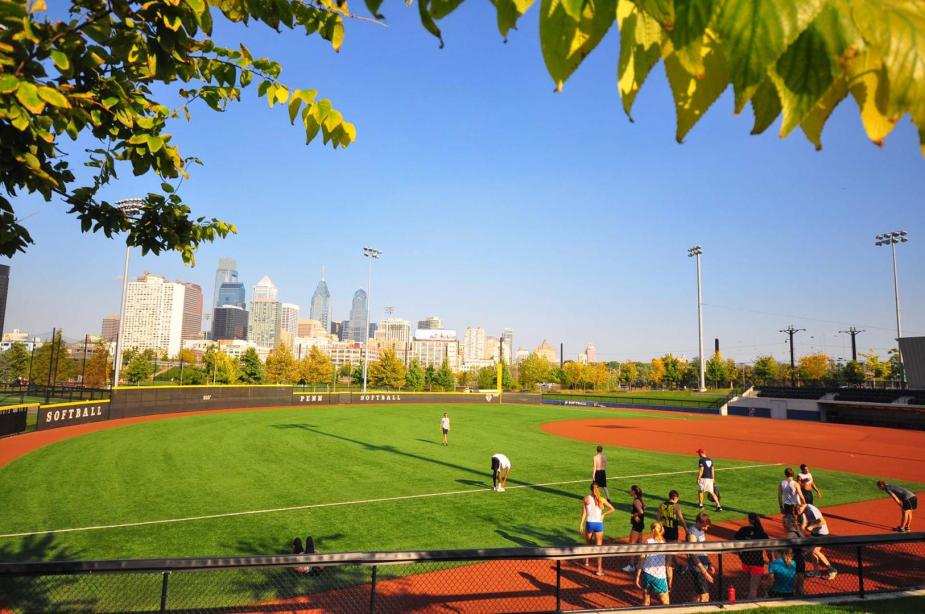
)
(786, 392)
(870, 395)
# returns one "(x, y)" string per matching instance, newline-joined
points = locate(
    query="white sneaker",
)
(629, 568)
(501, 489)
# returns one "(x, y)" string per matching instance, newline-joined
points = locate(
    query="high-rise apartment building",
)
(394, 332)
(289, 318)
(110, 328)
(264, 322)
(154, 314)
(432, 346)
(359, 327)
(192, 311)
(321, 303)
(265, 290)
(507, 345)
(430, 323)
(473, 346)
(230, 322)
(226, 273)
(232, 293)
(590, 353)
(4, 289)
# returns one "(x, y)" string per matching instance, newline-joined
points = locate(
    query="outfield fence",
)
(711, 405)
(495, 580)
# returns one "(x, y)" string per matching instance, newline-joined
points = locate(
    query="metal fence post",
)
(164, 576)
(860, 574)
(372, 592)
(558, 585)
(722, 593)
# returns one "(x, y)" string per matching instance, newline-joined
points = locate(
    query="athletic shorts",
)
(788, 509)
(819, 531)
(705, 484)
(808, 495)
(754, 570)
(638, 526)
(671, 534)
(496, 464)
(445, 431)
(594, 527)
(654, 584)
(701, 586)
(911, 503)
(600, 478)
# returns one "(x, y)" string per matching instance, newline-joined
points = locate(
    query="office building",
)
(192, 311)
(432, 346)
(344, 330)
(507, 345)
(226, 273)
(547, 351)
(289, 319)
(430, 323)
(473, 347)
(313, 328)
(358, 327)
(394, 332)
(229, 322)
(373, 327)
(154, 315)
(342, 353)
(265, 290)
(232, 293)
(110, 328)
(337, 329)
(264, 322)
(589, 355)
(321, 303)
(4, 290)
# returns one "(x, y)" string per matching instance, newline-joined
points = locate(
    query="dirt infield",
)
(874, 451)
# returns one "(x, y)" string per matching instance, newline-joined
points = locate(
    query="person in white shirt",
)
(812, 520)
(593, 510)
(807, 484)
(653, 571)
(500, 471)
(445, 427)
(789, 494)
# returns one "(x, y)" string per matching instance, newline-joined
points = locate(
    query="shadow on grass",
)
(40, 593)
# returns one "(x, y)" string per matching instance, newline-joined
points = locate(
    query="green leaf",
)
(427, 20)
(815, 120)
(53, 97)
(693, 96)
(803, 75)
(373, 6)
(60, 59)
(640, 50)
(765, 106)
(565, 41)
(441, 8)
(756, 33)
(896, 28)
(663, 11)
(690, 26)
(28, 95)
(509, 11)
(155, 143)
(8, 84)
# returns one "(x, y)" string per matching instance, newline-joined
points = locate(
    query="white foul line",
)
(358, 502)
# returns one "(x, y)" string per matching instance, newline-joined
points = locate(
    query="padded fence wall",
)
(131, 402)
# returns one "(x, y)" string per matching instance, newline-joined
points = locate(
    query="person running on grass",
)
(701, 568)
(705, 479)
(906, 500)
(637, 521)
(812, 520)
(653, 571)
(599, 471)
(789, 494)
(500, 471)
(594, 509)
(807, 484)
(752, 560)
(445, 427)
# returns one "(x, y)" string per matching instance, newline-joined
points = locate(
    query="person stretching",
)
(500, 470)
(906, 500)
(812, 520)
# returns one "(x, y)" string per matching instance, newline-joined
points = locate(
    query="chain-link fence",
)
(503, 580)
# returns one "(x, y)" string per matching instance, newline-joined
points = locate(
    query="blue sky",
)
(499, 203)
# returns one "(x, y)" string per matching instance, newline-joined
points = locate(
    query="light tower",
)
(696, 252)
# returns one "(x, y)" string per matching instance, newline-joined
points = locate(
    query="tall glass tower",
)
(359, 327)
(321, 303)
(226, 273)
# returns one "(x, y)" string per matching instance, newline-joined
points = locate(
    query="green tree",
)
(345, 370)
(52, 357)
(108, 74)
(488, 378)
(574, 375)
(220, 367)
(429, 375)
(629, 373)
(507, 378)
(597, 376)
(854, 372)
(733, 372)
(251, 368)
(876, 370)
(388, 372)
(533, 370)
(14, 363)
(674, 370)
(717, 370)
(139, 369)
(443, 379)
(356, 376)
(766, 370)
(316, 369)
(281, 367)
(414, 379)
(691, 376)
(99, 366)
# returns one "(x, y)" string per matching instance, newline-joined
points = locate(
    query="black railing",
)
(40, 393)
(509, 580)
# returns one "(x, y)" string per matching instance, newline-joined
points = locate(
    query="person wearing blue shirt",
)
(783, 570)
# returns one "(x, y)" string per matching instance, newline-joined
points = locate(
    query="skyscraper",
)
(507, 345)
(265, 290)
(192, 311)
(110, 328)
(321, 303)
(289, 318)
(473, 345)
(4, 288)
(230, 322)
(430, 323)
(232, 293)
(226, 273)
(359, 329)
(264, 320)
(154, 314)
(395, 332)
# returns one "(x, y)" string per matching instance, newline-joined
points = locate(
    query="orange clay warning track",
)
(874, 451)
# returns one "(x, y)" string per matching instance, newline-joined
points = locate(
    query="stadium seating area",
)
(864, 395)
(786, 392)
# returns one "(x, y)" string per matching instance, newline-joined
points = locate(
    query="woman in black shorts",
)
(637, 521)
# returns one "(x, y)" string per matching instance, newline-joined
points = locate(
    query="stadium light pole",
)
(891, 239)
(696, 252)
(128, 207)
(373, 254)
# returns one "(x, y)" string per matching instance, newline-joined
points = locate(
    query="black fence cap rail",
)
(413, 556)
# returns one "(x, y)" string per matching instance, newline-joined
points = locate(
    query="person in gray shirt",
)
(906, 500)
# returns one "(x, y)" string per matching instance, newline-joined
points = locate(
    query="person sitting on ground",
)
(906, 500)
(752, 560)
(653, 571)
(812, 520)
(308, 549)
(783, 575)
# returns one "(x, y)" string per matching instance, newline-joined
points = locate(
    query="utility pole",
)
(697, 252)
(854, 346)
(790, 330)
(561, 355)
(83, 370)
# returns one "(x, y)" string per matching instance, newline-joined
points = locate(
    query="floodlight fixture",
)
(891, 239)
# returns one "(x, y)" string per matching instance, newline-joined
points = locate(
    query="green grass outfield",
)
(364, 458)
